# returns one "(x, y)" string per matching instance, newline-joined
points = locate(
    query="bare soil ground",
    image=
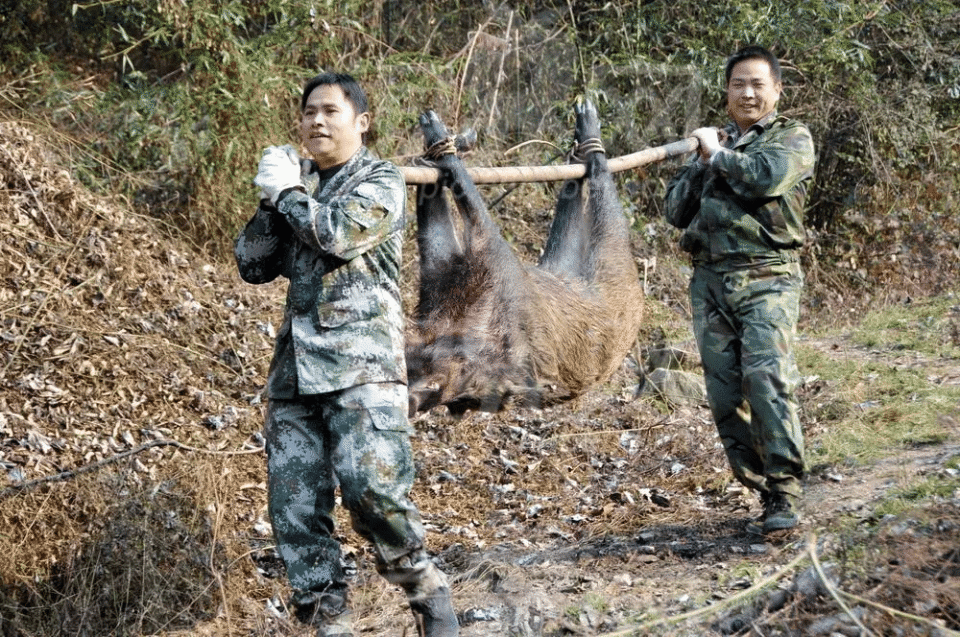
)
(616, 518)
(132, 498)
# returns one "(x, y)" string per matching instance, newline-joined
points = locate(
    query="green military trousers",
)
(358, 438)
(745, 322)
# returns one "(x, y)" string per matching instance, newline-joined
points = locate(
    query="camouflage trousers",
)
(358, 439)
(745, 325)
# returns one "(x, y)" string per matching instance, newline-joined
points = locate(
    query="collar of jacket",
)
(311, 178)
(735, 138)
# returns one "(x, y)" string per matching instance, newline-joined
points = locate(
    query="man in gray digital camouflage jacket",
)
(337, 412)
(740, 204)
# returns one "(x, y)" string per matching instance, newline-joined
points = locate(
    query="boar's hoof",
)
(433, 129)
(466, 140)
(588, 121)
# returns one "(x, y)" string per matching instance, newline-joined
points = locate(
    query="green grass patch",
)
(863, 403)
(872, 420)
(922, 326)
(899, 502)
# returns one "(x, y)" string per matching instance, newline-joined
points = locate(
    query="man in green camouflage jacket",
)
(740, 204)
(337, 412)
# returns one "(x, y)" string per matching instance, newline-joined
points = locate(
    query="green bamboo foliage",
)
(177, 98)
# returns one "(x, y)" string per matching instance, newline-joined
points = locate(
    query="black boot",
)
(434, 614)
(427, 591)
(782, 512)
(327, 610)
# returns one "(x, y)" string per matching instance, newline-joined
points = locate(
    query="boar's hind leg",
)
(568, 244)
(572, 242)
(610, 253)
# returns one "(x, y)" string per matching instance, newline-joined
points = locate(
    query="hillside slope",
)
(132, 498)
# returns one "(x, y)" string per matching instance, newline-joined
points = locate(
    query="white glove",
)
(279, 169)
(709, 138)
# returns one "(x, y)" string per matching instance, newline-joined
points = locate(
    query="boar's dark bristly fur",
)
(490, 330)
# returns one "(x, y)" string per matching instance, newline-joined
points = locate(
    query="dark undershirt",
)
(326, 173)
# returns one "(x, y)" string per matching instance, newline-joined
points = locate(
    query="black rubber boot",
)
(434, 615)
(427, 591)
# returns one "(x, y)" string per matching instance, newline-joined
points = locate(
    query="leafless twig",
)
(72, 473)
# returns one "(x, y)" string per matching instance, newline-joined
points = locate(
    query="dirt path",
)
(606, 583)
(684, 547)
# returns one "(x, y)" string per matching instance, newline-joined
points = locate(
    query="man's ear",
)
(363, 122)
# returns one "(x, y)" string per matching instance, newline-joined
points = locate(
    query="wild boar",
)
(490, 330)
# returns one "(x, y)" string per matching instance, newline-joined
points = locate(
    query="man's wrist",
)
(286, 191)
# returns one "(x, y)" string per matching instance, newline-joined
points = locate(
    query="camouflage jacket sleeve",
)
(772, 165)
(261, 248)
(356, 217)
(748, 203)
(683, 193)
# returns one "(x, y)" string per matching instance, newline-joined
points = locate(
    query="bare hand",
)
(709, 138)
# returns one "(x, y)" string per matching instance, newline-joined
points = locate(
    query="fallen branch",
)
(644, 627)
(36, 198)
(524, 174)
(837, 593)
(834, 593)
(946, 632)
(72, 473)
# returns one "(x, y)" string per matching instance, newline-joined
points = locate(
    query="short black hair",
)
(754, 52)
(351, 88)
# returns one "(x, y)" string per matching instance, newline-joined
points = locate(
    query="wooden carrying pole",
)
(517, 174)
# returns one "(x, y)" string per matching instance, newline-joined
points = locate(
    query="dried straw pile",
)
(114, 338)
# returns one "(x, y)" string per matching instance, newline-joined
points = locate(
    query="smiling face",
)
(752, 92)
(330, 128)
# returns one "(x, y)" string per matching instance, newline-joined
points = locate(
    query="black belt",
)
(751, 261)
